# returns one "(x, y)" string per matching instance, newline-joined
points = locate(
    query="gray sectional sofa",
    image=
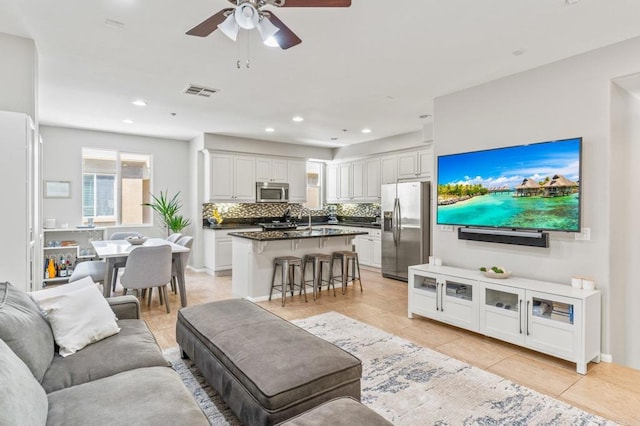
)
(122, 379)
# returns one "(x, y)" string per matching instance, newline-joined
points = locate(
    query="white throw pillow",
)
(48, 293)
(79, 315)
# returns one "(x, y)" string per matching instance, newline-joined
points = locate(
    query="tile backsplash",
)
(249, 210)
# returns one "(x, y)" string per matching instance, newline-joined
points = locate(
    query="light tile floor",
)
(609, 390)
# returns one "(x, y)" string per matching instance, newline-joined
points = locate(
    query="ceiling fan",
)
(249, 14)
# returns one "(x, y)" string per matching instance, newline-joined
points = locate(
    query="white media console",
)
(551, 318)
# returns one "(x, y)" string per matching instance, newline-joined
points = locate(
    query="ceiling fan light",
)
(230, 27)
(266, 29)
(247, 16)
(271, 42)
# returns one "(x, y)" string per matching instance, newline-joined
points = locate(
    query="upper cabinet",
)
(297, 178)
(415, 164)
(231, 178)
(389, 169)
(331, 183)
(372, 180)
(271, 170)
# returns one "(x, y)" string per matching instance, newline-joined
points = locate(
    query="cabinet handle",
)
(520, 315)
(442, 290)
(527, 317)
(437, 291)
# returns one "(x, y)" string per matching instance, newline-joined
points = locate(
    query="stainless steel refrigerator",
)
(405, 228)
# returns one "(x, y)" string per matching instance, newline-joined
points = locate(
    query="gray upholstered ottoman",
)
(338, 412)
(265, 368)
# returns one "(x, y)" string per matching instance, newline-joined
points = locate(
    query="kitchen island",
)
(254, 252)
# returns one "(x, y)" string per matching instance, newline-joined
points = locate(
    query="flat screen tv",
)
(525, 187)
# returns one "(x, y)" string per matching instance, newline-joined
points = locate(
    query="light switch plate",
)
(448, 228)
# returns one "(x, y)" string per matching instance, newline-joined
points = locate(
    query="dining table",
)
(116, 251)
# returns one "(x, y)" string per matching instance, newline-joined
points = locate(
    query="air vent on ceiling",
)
(196, 90)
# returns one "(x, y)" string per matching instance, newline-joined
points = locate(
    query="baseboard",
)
(608, 358)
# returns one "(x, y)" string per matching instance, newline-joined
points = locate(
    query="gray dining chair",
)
(91, 268)
(174, 237)
(120, 264)
(146, 268)
(187, 242)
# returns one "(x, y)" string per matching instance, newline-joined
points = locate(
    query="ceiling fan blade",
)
(317, 3)
(285, 37)
(209, 25)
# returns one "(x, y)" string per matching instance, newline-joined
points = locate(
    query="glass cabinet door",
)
(503, 299)
(428, 284)
(502, 312)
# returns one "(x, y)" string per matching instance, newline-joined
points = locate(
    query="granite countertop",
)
(301, 223)
(294, 235)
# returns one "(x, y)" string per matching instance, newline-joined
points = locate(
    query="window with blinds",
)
(115, 185)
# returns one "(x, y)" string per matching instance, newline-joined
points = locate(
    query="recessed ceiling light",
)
(269, 130)
(334, 139)
(518, 52)
(366, 130)
(298, 119)
(425, 116)
(127, 121)
(139, 102)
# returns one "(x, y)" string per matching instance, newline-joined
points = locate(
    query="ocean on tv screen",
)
(525, 187)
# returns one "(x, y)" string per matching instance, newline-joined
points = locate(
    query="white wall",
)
(63, 161)
(565, 99)
(380, 146)
(261, 147)
(624, 207)
(18, 75)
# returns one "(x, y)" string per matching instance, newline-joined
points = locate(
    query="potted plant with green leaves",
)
(167, 208)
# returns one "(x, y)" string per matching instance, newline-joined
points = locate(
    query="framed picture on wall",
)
(57, 189)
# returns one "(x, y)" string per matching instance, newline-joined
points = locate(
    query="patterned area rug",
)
(410, 385)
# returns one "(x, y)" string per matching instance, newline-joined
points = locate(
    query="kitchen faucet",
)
(300, 216)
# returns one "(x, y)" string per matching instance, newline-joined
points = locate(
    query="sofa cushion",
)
(145, 396)
(25, 330)
(78, 316)
(134, 347)
(23, 401)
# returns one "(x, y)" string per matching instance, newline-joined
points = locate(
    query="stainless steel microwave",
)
(271, 192)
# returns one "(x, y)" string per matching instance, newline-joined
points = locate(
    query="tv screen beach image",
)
(533, 186)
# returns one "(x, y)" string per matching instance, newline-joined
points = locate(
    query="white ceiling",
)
(377, 64)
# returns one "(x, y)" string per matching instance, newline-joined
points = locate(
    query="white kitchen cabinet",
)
(231, 178)
(271, 170)
(344, 182)
(389, 169)
(415, 164)
(372, 180)
(358, 181)
(332, 181)
(369, 247)
(297, 176)
(551, 318)
(218, 258)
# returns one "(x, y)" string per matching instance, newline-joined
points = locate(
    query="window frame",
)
(116, 219)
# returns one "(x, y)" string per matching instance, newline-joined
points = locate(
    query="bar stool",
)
(345, 257)
(317, 260)
(287, 266)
